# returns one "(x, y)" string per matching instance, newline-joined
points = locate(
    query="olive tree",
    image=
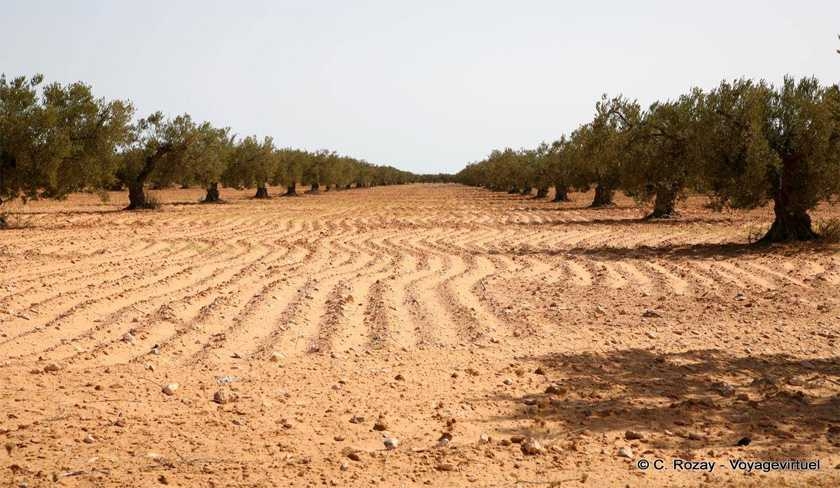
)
(559, 168)
(602, 146)
(663, 153)
(208, 157)
(779, 144)
(157, 145)
(253, 164)
(58, 139)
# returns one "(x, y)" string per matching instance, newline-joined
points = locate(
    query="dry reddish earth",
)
(439, 308)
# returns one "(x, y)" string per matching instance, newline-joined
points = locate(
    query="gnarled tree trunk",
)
(291, 190)
(561, 193)
(542, 192)
(314, 188)
(262, 191)
(526, 190)
(664, 205)
(603, 196)
(136, 194)
(792, 221)
(212, 194)
(513, 190)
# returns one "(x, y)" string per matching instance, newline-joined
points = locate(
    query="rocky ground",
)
(426, 335)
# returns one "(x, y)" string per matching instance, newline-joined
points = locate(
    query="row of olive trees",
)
(57, 139)
(744, 144)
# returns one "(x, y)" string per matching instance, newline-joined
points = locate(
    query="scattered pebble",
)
(52, 368)
(222, 397)
(170, 388)
(531, 447)
(632, 435)
(391, 443)
(625, 452)
(380, 424)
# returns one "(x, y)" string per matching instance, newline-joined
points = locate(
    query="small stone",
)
(445, 467)
(531, 447)
(555, 389)
(222, 397)
(128, 338)
(170, 388)
(357, 419)
(740, 297)
(391, 443)
(625, 452)
(517, 439)
(399, 377)
(483, 438)
(508, 381)
(344, 466)
(632, 435)
(651, 314)
(744, 441)
(276, 357)
(539, 371)
(444, 439)
(380, 424)
(88, 439)
(693, 436)
(52, 368)
(650, 334)
(353, 454)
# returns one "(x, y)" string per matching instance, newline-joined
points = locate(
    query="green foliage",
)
(744, 143)
(58, 139)
(253, 163)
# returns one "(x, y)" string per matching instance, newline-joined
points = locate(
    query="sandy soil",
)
(418, 310)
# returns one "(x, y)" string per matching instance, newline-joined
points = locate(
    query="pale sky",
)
(426, 86)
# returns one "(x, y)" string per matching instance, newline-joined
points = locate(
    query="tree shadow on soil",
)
(693, 251)
(707, 399)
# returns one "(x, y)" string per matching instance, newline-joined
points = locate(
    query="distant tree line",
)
(744, 144)
(56, 139)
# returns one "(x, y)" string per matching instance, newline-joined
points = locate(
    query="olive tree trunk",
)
(542, 192)
(212, 194)
(291, 190)
(790, 205)
(664, 205)
(561, 193)
(262, 191)
(137, 199)
(603, 196)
